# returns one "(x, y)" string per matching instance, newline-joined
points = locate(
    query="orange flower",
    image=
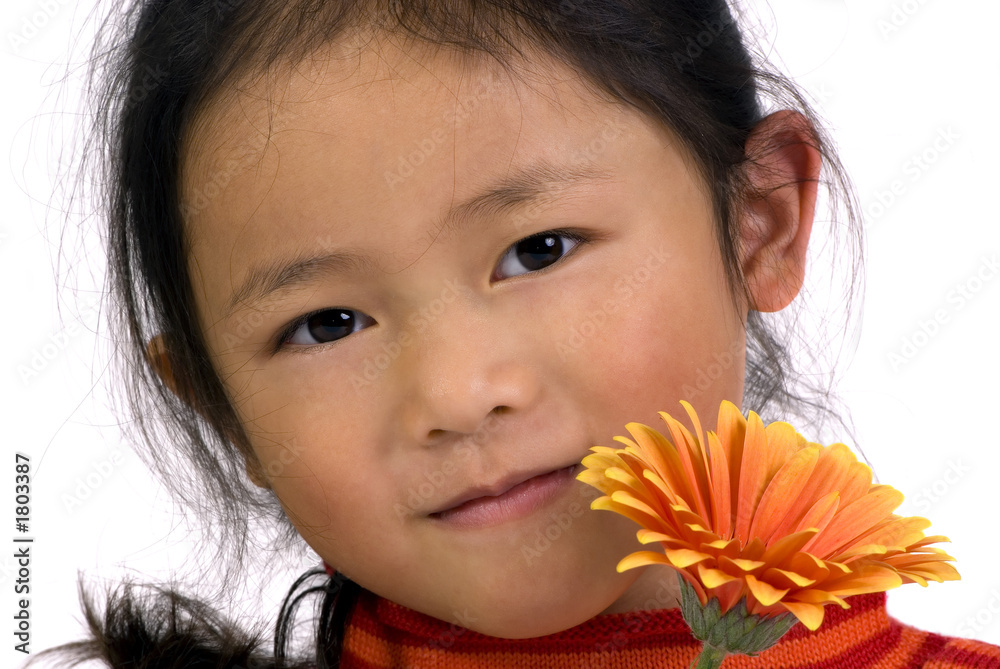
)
(760, 513)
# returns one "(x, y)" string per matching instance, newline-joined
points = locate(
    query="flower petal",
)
(740, 564)
(810, 615)
(764, 452)
(731, 428)
(871, 577)
(856, 519)
(816, 596)
(896, 531)
(694, 462)
(764, 592)
(640, 559)
(662, 458)
(838, 470)
(932, 571)
(713, 578)
(783, 578)
(781, 498)
(820, 514)
(649, 536)
(682, 558)
(642, 518)
(787, 546)
(722, 507)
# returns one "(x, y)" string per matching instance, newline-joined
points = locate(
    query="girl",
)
(378, 263)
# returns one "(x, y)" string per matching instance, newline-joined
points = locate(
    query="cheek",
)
(307, 395)
(313, 445)
(671, 333)
(339, 499)
(317, 484)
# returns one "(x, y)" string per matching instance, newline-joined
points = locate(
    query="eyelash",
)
(288, 332)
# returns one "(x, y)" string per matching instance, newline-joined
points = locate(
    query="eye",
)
(537, 252)
(323, 327)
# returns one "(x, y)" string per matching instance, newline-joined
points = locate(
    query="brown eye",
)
(327, 326)
(536, 253)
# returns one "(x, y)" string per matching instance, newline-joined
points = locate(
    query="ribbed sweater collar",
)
(383, 634)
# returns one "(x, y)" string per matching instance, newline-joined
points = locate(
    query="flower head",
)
(758, 514)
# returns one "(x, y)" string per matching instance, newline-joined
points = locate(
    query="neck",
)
(655, 588)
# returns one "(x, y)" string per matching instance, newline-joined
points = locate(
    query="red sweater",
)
(382, 634)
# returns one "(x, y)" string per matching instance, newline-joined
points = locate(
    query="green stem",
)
(710, 658)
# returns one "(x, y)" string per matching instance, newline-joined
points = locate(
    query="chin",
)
(534, 616)
(528, 625)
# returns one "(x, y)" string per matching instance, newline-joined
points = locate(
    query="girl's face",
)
(389, 195)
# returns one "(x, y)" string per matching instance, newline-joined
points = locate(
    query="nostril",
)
(497, 411)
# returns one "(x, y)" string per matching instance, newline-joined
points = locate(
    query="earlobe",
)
(783, 172)
(159, 359)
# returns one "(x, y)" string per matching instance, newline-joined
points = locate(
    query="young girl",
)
(381, 263)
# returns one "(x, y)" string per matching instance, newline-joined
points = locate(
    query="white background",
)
(888, 78)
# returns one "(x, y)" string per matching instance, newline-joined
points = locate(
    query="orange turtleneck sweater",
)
(382, 634)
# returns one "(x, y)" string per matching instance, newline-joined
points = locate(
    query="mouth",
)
(511, 500)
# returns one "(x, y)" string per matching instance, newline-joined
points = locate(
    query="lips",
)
(497, 489)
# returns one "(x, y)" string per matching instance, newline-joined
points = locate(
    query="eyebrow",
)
(514, 191)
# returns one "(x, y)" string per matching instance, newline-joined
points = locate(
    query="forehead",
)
(358, 146)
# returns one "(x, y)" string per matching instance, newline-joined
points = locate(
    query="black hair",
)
(684, 63)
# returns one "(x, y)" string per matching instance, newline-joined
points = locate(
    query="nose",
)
(467, 365)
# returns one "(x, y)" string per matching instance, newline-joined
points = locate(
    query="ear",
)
(160, 361)
(158, 357)
(783, 171)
